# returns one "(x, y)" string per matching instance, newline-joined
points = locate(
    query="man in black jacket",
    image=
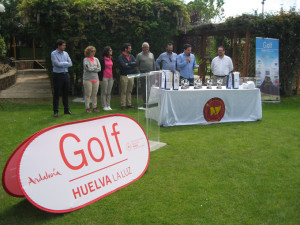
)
(127, 66)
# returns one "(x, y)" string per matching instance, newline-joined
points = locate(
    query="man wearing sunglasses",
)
(167, 60)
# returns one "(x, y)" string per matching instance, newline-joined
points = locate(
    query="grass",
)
(232, 173)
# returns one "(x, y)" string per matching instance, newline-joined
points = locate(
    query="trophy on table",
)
(176, 77)
(185, 84)
(219, 83)
(198, 84)
(229, 81)
(236, 80)
(209, 83)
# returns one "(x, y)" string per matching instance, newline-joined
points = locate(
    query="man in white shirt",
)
(221, 66)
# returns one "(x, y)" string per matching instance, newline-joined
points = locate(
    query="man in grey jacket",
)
(146, 63)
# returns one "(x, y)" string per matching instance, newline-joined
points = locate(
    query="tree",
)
(2, 48)
(202, 11)
(100, 23)
(286, 27)
(10, 24)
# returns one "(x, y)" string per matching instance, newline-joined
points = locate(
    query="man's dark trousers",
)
(61, 83)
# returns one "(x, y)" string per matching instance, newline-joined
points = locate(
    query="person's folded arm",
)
(57, 63)
(124, 64)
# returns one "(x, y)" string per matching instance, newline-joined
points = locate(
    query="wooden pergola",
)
(198, 37)
(14, 45)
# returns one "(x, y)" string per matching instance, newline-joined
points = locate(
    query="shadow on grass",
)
(26, 213)
(212, 125)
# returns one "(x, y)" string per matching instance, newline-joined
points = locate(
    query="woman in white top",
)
(91, 67)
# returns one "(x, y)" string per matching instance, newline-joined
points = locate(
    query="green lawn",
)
(233, 173)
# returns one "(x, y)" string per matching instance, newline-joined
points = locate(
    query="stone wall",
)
(24, 64)
(8, 79)
(4, 68)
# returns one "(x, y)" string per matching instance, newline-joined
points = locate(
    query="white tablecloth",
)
(185, 107)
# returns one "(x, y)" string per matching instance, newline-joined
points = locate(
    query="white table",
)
(186, 107)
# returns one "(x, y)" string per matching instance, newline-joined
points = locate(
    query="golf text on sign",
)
(66, 167)
(89, 144)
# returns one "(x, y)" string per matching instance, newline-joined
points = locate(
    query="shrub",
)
(2, 48)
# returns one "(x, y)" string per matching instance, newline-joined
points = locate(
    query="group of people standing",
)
(92, 66)
(143, 63)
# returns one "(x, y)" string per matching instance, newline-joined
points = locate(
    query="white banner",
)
(68, 166)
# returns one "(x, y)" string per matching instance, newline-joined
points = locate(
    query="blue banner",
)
(267, 68)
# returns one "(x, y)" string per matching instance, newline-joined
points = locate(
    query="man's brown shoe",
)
(123, 107)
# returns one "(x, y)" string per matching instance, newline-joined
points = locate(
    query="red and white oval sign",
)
(68, 166)
(10, 181)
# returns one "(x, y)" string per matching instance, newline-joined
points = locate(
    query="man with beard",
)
(127, 65)
(186, 62)
(221, 66)
(167, 60)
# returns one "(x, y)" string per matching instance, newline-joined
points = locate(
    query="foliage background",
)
(286, 27)
(10, 24)
(202, 11)
(2, 47)
(101, 23)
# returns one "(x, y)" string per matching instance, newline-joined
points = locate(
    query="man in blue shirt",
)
(186, 63)
(61, 78)
(167, 59)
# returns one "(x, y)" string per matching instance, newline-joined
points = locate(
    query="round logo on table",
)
(214, 110)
